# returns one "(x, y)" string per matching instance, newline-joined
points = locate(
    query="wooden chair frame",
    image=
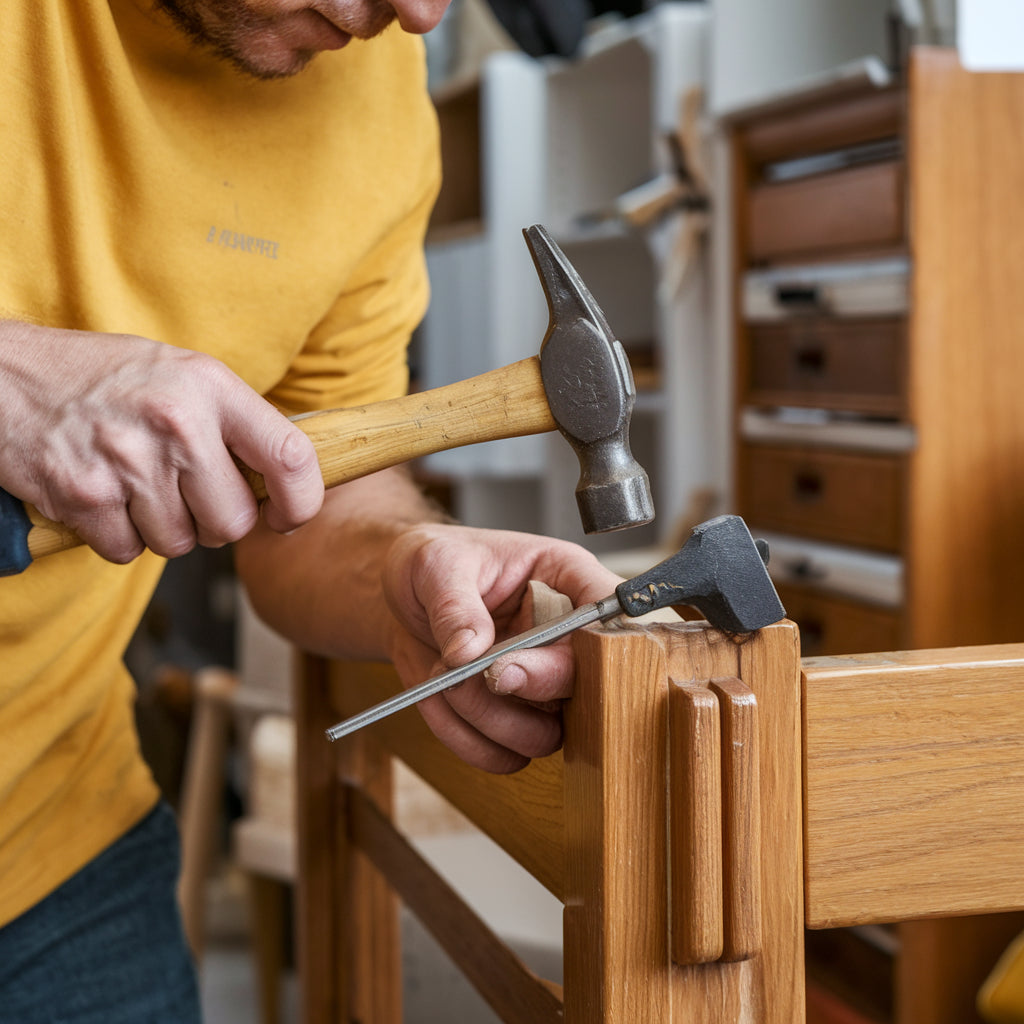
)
(713, 799)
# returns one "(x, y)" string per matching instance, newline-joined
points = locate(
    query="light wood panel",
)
(966, 163)
(695, 837)
(741, 819)
(914, 771)
(615, 923)
(617, 960)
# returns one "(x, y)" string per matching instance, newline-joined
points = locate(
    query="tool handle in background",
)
(354, 442)
(350, 443)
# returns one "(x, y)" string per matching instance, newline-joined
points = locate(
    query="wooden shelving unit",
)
(879, 427)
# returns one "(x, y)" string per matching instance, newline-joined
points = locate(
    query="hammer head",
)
(590, 391)
(721, 571)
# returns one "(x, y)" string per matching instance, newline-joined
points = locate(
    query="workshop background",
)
(739, 280)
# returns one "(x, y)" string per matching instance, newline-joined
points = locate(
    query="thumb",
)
(269, 443)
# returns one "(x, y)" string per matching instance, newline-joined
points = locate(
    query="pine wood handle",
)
(47, 537)
(350, 443)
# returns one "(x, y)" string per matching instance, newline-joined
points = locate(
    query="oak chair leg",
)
(619, 805)
(267, 904)
(347, 930)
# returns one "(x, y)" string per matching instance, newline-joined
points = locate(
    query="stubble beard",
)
(231, 31)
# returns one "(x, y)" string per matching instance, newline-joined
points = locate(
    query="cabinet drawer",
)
(874, 288)
(861, 207)
(834, 625)
(854, 499)
(851, 365)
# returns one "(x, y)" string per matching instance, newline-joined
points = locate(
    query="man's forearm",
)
(320, 586)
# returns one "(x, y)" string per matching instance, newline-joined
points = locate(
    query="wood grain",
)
(616, 904)
(741, 819)
(914, 761)
(617, 961)
(695, 824)
(353, 442)
(347, 915)
(965, 550)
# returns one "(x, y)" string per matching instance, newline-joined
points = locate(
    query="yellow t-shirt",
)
(148, 188)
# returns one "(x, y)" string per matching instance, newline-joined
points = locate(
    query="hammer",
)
(580, 383)
(721, 571)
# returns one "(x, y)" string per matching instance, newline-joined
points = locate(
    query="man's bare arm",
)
(379, 574)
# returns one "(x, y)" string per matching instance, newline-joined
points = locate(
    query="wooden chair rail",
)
(913, 762)
(510, 988)
(712, 800)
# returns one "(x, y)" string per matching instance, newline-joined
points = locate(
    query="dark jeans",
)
(107, 947)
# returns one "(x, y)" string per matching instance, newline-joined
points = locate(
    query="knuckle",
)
(174, 547)
(168, 417)
(122, 554)
(227, 531)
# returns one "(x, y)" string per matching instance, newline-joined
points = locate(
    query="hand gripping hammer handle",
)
(720, 570)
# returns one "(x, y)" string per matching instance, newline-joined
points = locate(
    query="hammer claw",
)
(590, 391)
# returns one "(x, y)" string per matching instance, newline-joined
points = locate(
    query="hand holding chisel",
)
(720, 570)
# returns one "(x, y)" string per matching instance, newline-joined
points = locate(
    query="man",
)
(201, 207)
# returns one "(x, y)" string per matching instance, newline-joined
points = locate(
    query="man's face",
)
(278, 38)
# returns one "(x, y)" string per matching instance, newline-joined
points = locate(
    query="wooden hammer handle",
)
(350, 443)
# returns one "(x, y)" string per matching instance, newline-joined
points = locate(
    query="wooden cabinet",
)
(880, 352)
(879, 428)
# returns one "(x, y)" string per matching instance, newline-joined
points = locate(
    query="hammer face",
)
(590, 391)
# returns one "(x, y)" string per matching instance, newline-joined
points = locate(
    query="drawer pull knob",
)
(798, 296)
(804, 569)
(808, 486)
(810, 360)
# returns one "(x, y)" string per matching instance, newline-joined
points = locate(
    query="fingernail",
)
(506, 680)
(457, 640)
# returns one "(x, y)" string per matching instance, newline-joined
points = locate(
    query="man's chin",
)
(259, 47)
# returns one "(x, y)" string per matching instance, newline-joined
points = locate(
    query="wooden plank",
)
(509, 987)
(741, 819)
(695, 824)
(322, 970)
(367, 913)
(617, 959)
(347, 917)
(966, 164)
(522, 813)
(769, 665)
(769, 988)
(912, 762)
(616, 913)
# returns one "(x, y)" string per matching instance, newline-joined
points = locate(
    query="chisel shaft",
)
(539, 636)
